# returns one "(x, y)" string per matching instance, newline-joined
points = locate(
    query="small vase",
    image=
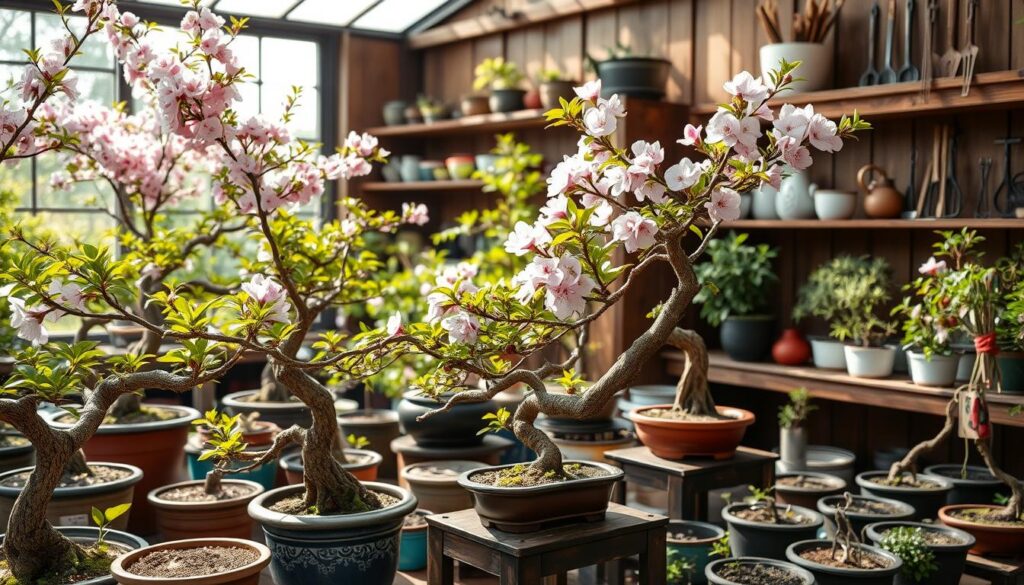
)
(815, 63)
(796, 197)
(763, 204)
(793, 447)
(791, 349)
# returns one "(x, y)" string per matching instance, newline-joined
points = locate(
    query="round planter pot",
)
(825, 459)
(245, 575)
(827, 353)
(815, 63)
(746, 201)
(474, 105)
(364, 469)
(18, 455)
(506, 100)
(265, 475)
(949, 558)
(696, 545)
(748, 338)
(591, 450)
(639, 77)
(807, 495)
(791, 349)
(711, 572)
(762, 206)
(793, 447)
(869, 362)
(412, 554)
(327, 550)
(456, 428)
(938, 371)
(157, 448)
(87, 535)
(646, 395)
(827, 507)
(762, 539)
(830, 205)
(283, 414)
(528, 509)
(460, 167)
(926, 502)
(71, 506)
(1011, 368)
(436, 484)
(980, 486)
(989, 539)
(826, 575)
(394, 112)
(223, 518)
(675, 439)
(380, 427)
(550, 91)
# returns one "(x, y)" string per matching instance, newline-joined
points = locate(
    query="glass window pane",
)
(249, 105)
(94, 194)
(17, 180)
(9, 75)
(329, 11)
(95, 228)
(288, 62)
(247, 49)
(305, 116)
(95, 53)
(269, 8)
(397, 15)
(97, 86)
(15, 34)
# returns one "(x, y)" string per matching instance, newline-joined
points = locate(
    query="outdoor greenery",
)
(497, 73)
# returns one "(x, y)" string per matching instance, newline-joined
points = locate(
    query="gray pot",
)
(828, 353)
(550, 91)
(926, 502)
(950, 559)
(807, 496)
(746, 200)
(394, 112)
(965, 366)
(939, 371)
(748, 338)
(711, 571)
(826, 575)
(763, 204)
(761, 539)
(380, 427)
(506, 100)
(979, 489)
(87, 535)
(827, 507)
(869, 362)
(640, 77)
(826, 459)
(283, 414)
(793, 447)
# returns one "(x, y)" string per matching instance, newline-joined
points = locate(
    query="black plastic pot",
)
(506, 100)
(640, 77)
(827, 507)
(949, 558)
(550, 91)
(698, 548)
(825, 575)
(760, 539)
(748, 338)
(976, 490)
(16, 456)
(711, 571)
(457, 427)
(805, 496)
(1011, 368)
(926, 502)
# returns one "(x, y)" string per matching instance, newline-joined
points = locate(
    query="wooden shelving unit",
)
(898, 393)
(465, 125)
(405, 187)
(921, 224)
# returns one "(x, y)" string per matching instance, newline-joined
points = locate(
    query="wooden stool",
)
(489, 451)
(996, 571)
(545, 556)
(689, 481)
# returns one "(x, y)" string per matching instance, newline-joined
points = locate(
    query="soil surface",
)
(682, 537)
(989, 516)
(197, 493)
(756, 574)
(936, 537)
(12, 440)
(866, 560)
(971, 474)
(763, 515)
(906, 482)
(364, 418)
(862, 506)
(356, 458)
(100, 474)
(521, 475)
(96, 564)
(682, 415)
(434, 471)
(192, 562)
(145, 415)
(415, 520)
(256, 398)
(296, 505)
(806, 482)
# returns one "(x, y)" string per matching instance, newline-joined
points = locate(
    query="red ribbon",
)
(986, 344)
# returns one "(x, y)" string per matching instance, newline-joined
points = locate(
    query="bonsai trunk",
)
(909, 462)
(271, 389)
(131, 403)
(692, 393)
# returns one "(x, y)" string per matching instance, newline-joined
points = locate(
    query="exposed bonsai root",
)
(692, 393)
(909, 462)
(77, 465)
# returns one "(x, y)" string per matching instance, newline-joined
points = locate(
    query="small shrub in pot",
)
(503, 79)
(552, 86)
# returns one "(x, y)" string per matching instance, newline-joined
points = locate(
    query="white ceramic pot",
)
(869, 362)
(938, 371)
(828, 353)
(796, 197)
(746, 199)
(815, 63)
(829, 204)
(763, 204)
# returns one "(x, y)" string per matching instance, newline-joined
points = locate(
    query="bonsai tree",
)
(848, 293)
(606, 203)
(734, 279)
(910, 545)
(496, 73)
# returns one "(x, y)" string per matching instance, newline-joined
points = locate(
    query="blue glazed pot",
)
(264, 475)
(327, 550)
(412, 555)
(697, 550)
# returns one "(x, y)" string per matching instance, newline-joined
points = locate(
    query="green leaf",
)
(97, 517)
(115, 512)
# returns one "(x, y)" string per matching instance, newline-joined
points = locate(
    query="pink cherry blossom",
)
(268, 293)
(727, 128)
(821, 133)
(555, 209)
(652, 190)
(416, 214)
(67, 294)
(526, 238)
(691, 135)
(589, 91)
(793, 153)
(461, 327)
(724, 205)
(683, 174)
(394, 326)
(793, 121)
(933, 267)
(600, 121)
(747, 88)
(634, 231)
(28, 321)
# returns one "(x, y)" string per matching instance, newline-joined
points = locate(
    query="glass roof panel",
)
(333, 12)
(265, 8)
(397, 15)
(175, 2)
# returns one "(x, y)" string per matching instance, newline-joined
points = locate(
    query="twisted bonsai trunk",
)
(909, 462)
(692, 393)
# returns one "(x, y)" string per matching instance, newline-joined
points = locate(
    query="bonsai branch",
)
(909, 462)
(1014, 509)
(846, 540)
(293, 435)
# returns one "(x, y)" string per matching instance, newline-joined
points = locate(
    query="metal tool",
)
(950, 60)
(908, 194)
(888, 74)
(982, 208)
(1010, 188)
(969, 54)
(929, 59)
(908, 72)
(870, 75)
(953, 197)
(932, 178)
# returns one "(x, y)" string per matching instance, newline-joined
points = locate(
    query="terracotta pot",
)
(437, 492)
(225, 518)
(791, 349)
(363, 471)
(380, 427)
(881, 199)
(994, 540)
(247, 575)
(158, 448)
(263, 433)
(460, 166)
(675, 439)
(474, 105)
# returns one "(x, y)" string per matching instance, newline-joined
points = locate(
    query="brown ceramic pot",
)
(807, 497)
(994, 540)
(675, 439)
(365, 470)
(474, 105)
(529, 509)
(550, 91)
(226, 518)
(247, 575)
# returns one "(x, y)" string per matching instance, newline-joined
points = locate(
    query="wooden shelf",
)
(898, 393)
(994, 90)
(466, 185)
(922, 224)
(465, 125)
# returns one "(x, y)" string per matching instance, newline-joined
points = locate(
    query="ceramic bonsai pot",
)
(436, 484)
(249, 574)
(456, 428)
(18, 453)
(989, 538)
(815, 63)
(806, 488)
(831, 205)
(1011, 368)
(869, 362)
(380, 427)
(938, 371)
(394, 112)
(748, 338)
(926, 501)
(949, 558)
(87, 535)
(283, 414)
(507, 100)
(827, 459)
(639, 77)
(71, 506)
(474, 105)
(412, 554)
(978, 486)
(718, 572)
(827, 575)
(178, 520)
(881, 510)
(675, 439)
(827, 353)
(528, 509)
(764, 539)
(550, 91)
(692, 540)
(363, 465)
(265, 475)
(645, 395)
(327, 550)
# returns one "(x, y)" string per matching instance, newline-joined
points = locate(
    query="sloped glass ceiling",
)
(389, 16)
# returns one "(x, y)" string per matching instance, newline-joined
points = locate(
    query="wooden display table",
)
(408, 452)
(689, 481)
(996, 571)
(530, 559)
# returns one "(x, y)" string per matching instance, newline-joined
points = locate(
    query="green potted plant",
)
(624, 73)
(1010, 326)
(502, 78)
(932, 554)
(792, 431)
(431, 109)
(734, 279)
(552, 85)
